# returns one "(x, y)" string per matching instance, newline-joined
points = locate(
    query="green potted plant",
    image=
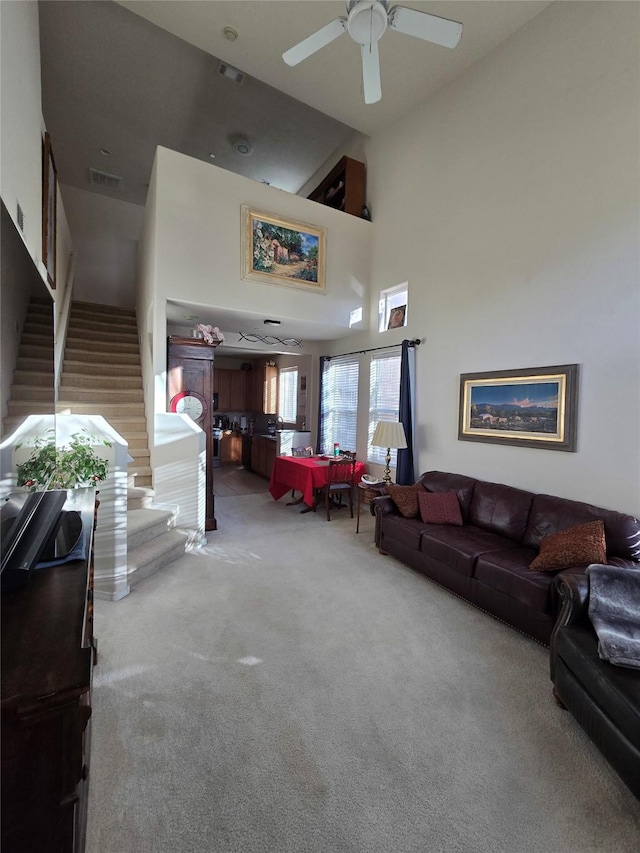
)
(68, 467)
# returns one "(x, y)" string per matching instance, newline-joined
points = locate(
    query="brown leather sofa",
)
(604, 699)
(486, 560)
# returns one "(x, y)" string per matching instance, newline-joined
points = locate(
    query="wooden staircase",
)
(101, 375)
(32, 390)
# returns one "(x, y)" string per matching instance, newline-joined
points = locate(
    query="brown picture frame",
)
(49, 210)
(532, 407)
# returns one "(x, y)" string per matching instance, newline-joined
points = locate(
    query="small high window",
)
(393, 307)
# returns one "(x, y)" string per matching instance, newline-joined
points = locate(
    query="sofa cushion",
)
(550, 514)
(439, 507)
(615, 689)
(576, 546)
(406, 498)
(439, 481)
(508, 572)
(459, 547)
(500, 509)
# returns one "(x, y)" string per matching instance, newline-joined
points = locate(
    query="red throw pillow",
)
(575, 546)
(439, 508)
(406, 498)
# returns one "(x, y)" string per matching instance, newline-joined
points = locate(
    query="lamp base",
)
(386, 477)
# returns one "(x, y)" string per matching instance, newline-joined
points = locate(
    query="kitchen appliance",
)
(216, 446)
(271, 427)
(243, 423)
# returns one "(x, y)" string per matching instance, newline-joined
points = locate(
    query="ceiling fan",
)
(366, 22)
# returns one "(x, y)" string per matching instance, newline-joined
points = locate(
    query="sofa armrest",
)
(573, 592)
(379, 507)
(382, 505)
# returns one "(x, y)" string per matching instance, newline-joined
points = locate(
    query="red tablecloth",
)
(304, 474)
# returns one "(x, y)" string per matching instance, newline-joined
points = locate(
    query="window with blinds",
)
(339, 404)
(288, 395)
(384, 400)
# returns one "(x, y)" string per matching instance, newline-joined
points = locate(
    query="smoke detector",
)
(241, 146)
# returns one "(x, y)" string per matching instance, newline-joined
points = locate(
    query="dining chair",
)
(341, 479)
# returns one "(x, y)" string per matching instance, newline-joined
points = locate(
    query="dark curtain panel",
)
(320, 437)
(405, 470)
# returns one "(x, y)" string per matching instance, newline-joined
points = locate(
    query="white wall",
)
(21, 133)
(191, 250)
(105, 234)
(509, 202)
(21, 126)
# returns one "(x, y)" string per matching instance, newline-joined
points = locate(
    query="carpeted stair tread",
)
(146, 524)
(94, 394)
(100, 368)
(153, 555)
(78, 354)
(139, 497)
(108, 380)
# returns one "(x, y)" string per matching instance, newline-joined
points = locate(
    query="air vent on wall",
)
(20, 218)
(104, 180)
(230, 72)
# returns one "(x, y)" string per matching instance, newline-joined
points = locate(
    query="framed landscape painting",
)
(281, 251)
(533, 407)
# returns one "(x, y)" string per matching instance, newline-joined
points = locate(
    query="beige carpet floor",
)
(286, 689)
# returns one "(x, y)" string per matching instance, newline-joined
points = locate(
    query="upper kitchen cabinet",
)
(343, 188)
(230, 386)
(262, 388)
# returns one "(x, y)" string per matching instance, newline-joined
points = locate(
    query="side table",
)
(366, 493)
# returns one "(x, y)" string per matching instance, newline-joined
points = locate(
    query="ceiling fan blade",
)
(315, 41)
(371, 73)
(424, 26)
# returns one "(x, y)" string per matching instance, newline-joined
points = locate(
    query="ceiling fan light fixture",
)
(367, 21)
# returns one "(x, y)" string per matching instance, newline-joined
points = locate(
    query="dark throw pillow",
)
(575, 546)
(406, 498)
(439, 507)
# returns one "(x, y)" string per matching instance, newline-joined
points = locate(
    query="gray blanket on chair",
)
(614, 610)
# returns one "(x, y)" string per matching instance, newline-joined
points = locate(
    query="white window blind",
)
(384, 400)
(339, 405)
(288, 395)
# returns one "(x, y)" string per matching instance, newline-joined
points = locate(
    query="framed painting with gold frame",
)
(283, 251)
(533, 407)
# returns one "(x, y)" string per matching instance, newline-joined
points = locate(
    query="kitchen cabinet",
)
(238, 401)
(343, 188)
(230, 449)
(230, 386)
(263, 453)
(262, 388)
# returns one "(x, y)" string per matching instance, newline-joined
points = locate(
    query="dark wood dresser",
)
(48, 653)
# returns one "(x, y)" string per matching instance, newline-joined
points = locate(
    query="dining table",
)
(302, 474)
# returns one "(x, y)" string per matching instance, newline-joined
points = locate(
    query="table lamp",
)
(389, 434)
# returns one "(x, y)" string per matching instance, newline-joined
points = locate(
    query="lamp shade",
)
(389, 434)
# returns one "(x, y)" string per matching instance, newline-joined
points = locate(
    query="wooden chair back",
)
(341, 478)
